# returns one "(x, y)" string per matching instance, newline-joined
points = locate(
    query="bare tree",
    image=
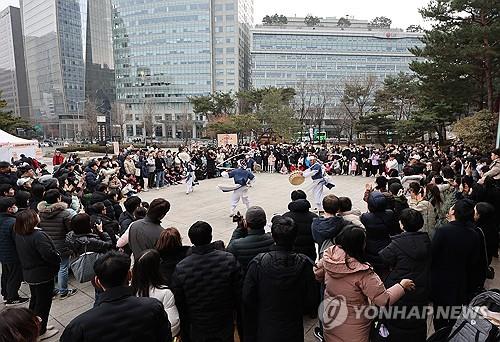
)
(185, 123)
(303, 102)
(148, 118)
(117, 120)
(91, 127)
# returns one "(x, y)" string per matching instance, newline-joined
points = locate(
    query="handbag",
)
(83, 266)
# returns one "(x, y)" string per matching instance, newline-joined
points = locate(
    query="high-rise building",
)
(12, 67)
(59, 57)
(318, 60)
(167, 51)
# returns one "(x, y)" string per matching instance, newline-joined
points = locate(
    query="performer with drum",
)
(315, 171)
(190, 176)
(243, 179)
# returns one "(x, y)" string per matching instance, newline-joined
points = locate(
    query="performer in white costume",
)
(243, 179)
(190, 168)
(319, 181)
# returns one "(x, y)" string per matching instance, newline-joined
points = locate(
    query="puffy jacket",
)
(207, 286)
(55, 221)
(246, 244)
(299, 212)
(170, 260)
(120, 316)
(8, 252)
(129, 167)
(79, 243)
(279, 288)
(9, 178)
(38, 256)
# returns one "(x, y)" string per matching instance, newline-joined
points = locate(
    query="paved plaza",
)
(207, 203)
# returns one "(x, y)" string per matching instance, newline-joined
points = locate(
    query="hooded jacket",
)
(349, 285)
(409, 257)
(428, 213)
(278, 290)
(379, 223)
(325, 228)
(303, 218)
(90, 179)
(55, 221)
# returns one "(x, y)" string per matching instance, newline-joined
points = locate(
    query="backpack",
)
(476, 327)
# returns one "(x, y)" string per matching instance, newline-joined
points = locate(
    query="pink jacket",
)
(356, 285)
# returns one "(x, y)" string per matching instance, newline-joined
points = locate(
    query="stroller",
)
(473, 329)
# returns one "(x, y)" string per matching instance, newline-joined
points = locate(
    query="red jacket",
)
(57, 159)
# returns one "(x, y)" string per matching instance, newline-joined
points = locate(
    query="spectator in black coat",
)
(457, 262)
(379, 222)
(127, 217)
(206, 286)
(249, 238)
(119, 314)
(171, 251)
(485, 219)
(114, 197)
(101, 195)
(40, 262)
(82, 238)
(6, 175)
(279, 288)
(99, 215)
(409, 257)
(12, 273)
(303, 218)
(91, 179)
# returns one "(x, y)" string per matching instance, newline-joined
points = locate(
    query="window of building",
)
(138, 130)
(230, 28)
(229, 7)
(130, 130)
(229, 17)
(159, 131)
(230, 50)
(219, 29)
(158, 118)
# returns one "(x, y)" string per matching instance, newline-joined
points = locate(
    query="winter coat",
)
(124, 221)
(456, 264)
(110, 227)
(353, 217)
(409, 257)
(120, 316)
(166, 296)
(494, 170)
(91, 180)
(143, 234)
(207, 286)
(80, 243)
(300, 214)
(359, 285)
(38, 257)
(400, 203)
(326, 228)
(279, 288)
(246, 244)
(99, 196)
(129, 167)
(170, 260)
(55, 221)
(428, 213)
(9, 178)
(8, 253)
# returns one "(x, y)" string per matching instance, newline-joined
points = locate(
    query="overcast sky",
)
(402, 12)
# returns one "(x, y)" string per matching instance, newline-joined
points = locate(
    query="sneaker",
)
(318, 333)
(157, 188)
(48, 334)
(17, 301)
(145, 190)
(69, 293)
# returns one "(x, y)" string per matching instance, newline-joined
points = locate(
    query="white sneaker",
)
(48, 334)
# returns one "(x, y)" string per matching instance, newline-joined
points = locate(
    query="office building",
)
(12, 67)
(167, 51)
(57, 52)
(318, 60)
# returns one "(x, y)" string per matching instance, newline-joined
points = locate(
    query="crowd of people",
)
(428, 238)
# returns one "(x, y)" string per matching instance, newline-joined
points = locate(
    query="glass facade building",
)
(12, 66)
(169, 50)
(55, 37)
(322, 59)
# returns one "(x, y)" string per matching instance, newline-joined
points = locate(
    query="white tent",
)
(12, 147)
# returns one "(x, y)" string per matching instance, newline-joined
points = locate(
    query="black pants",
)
(41, 301)
(12, 275)
(151, 180)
